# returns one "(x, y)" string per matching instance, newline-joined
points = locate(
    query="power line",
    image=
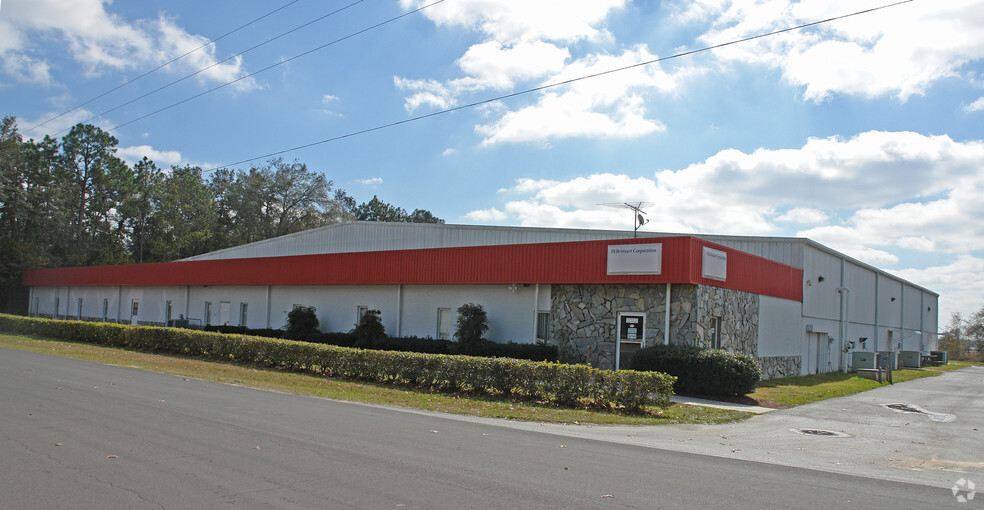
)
(557, 84)
(162, 66)
(282, 62)
(202, 70)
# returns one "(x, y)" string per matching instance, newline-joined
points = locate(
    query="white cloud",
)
(529, 44)
(898, 51)
(57, 125)
(509, 21)
(486, 215)
(803, 215)
(448, 152)
(135, 153)
(976, 106)
(100, 40)
(371, 181)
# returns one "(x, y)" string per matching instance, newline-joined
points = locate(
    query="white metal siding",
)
(911, 303)
(821, 299)
(861, 282)
(889, 303)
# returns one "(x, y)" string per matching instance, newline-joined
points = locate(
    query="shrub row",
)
(566, 385)
(701, 371)
(482, 348)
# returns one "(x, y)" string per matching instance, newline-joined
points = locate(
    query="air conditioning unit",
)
(911, 359)
(862, 360)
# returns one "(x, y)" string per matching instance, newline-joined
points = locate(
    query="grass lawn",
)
(794, 391)
(302, 384)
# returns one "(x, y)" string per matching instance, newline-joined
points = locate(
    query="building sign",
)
(630, 327)
(635, 258)
(714, 264)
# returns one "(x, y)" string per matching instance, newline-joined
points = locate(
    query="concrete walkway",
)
(748, 408)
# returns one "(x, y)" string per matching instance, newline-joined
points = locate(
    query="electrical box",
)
(888, 359)
(862, 360)
(911, 359)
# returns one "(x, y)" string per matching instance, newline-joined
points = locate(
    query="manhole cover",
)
(912, 408)
(819, 433)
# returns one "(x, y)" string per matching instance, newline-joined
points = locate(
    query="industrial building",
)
(796, 305)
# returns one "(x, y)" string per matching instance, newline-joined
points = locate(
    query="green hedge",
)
(566, 385)
(701, 371)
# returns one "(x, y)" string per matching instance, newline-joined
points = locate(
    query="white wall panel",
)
(911, 305)
(820, 298)
(861, 282)
(511, 314)
(889, 303)
(780, 327)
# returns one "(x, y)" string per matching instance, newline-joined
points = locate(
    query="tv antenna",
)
(638, 215)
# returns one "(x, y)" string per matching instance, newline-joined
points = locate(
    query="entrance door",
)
(823, 353)
(225, 312)
(631, 335)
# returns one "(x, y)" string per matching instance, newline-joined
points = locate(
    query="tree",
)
(472, 324)
(369, 330)
(141, 204)
(93, 181)
(377, 210)
(184, 221)
(302, 322)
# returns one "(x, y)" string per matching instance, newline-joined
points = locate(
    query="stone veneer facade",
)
(775, 367)
(583, 318)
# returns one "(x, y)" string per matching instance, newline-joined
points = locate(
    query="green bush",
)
(369, 330)
(567, 385)
(701, 371)
(301, 322)
(472, 324)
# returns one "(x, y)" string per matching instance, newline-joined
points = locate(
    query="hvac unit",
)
(911, 359)
(888, 359)
(862, 360)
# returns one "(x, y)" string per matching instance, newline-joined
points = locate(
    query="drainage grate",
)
(819, 433)
(912, 408)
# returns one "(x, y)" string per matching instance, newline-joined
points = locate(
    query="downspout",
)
(845, 303)
(875, 347)
(536, 308)
(268, 292)
(187, 301)
(666, 321)
(399, 310)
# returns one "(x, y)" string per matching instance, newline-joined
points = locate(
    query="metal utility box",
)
(888, 359)
(911, 359)
(861, 360)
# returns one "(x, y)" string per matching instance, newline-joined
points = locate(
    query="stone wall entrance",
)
(583, 318)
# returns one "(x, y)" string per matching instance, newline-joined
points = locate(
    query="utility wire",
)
(557, 84)
(162, 66)
(196, 73)
(336, 41)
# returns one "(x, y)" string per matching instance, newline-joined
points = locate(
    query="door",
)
(631, 335)
(134, 311)
(822, 353)
(225, 312)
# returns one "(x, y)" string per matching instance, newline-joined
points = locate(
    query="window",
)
(167, 312)
(105, 310)
(134, 308)
(208, 313)
(57, 306)
(715, 333)
(243, 309)
(444, 323)
(37, 305)
(543, 326)
(78, 309)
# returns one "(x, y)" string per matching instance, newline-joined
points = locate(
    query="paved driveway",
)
(874, 441)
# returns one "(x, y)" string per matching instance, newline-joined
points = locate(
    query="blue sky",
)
(864, 134)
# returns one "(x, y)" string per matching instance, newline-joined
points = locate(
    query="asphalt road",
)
(75, 434)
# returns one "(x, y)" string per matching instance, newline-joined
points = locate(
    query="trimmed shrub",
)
(243, 330)
(369, 330)
(701, 371)
(472, 324)
(562, 384)
(302, 321)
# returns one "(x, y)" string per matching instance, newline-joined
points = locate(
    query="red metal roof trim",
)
(581, 262)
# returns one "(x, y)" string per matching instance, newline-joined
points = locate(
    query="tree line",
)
(963, 337)
(74, 202)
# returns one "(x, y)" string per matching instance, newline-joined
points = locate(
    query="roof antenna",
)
(638, 215)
